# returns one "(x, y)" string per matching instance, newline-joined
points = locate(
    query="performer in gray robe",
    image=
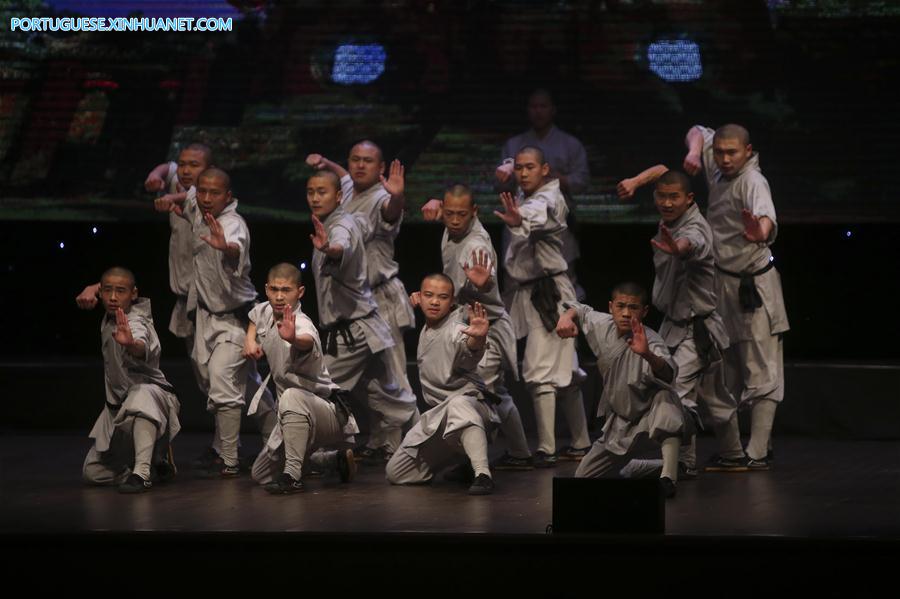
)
(684, 290)
(132, 435)
(742, 217)
(637, 372)
(470, 262)
(307, 418)
(535, 265)
(357, 337)
(457, 425)
(220, 298)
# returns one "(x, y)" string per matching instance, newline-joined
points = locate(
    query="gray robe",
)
(727, 197)
(137, 385)
(181, 262)
(292, 369)
(447, 370)
(457, 256)
(637, 402)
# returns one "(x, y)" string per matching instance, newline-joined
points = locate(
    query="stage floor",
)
(817, 489)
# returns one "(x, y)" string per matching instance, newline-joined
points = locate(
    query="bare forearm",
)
(160, 171)
(766, 226)
(335, 168)
(393, 208)
(303, 343)
(649, 175)
(476, 344)
(232, 251)
(694, 141)
(333, 251)
(136, 349)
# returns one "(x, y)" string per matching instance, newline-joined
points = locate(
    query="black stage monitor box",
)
(608, 506)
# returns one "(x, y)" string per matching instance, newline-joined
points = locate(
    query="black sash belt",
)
(342, 328)
(545, 298)
(747, 293)
(702, 339)
(242, 312)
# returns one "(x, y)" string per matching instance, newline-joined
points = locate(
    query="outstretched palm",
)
(753, 230)
(666, 242)
(478, 322)
(287, 326)
(216, 237)
(638, 340)
(479, 271)
(394, 184)
(511, 215)
(123, 335)
(320, 237)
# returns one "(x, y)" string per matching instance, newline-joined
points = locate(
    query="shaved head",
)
(459, 190)
(328, 175)
(285, 270)
(536, 151)
(118, 271)
(733, 131)
(365, 143)
(675, 178)
(203, 149)
(439, 276)
(216, 173)
(630, 288)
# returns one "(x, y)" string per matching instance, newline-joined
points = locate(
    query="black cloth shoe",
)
(719, 464)
(544, 460)
(366, 455)
(667, 485)
(164, 470)
(572, 454)
(482, 485)
(759, 465)
(285, 484)
(686, 472)
(135, 484)
(508, 462)
(346, 465)
(220, 470)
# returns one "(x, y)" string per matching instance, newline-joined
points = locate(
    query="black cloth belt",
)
(545, 298)
(242, 312)
(747, 293)
(342, 328)
(702, 338)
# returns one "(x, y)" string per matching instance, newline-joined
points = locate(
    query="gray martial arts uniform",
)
(500, 353)
(565, 155)
(306, 419)
(534, 258)
(136, 390)
(181, 265)
(220, 296)
(381, 268)
(357, 337)
(458, 423)
(755, 359)
(684, 290)
(640, 405)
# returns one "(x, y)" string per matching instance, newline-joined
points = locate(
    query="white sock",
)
(143, 433)
(763, 416)
(670, 449)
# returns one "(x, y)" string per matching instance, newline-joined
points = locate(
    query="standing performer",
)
(132, 436)
(456, 426)
(357, 338)
(535, 263)
(381, 202)
(469, 260)
(684, 291)
(637, 373)
(307, 419)
(221, 296)
(176, 179)
(742, 217)
(566, 157)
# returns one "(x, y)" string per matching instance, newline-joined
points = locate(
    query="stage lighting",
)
(358, 63)
(303, 266)
(94, 230)
(62, 245)
(675, 60)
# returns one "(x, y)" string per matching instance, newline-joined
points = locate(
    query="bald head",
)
(329, 176)
(368, 145)
(460, 193)
(733, 131)
(672, 177)
(218, 174)
(203, 149)
(118, 271)
(440, 278)
(535, 151)
(285, 270)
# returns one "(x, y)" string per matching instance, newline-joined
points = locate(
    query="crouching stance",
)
(455, 428)
(637, 372)
(311, 415)
(132, 434)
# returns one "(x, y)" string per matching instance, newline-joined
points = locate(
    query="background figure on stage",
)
(133, 434)
(381, 202)
(307, 418)
(456, 426)
(742, 217)
(534, 262)
(684, 290)
(357, 338)
(220, 298)
(568, 163)
(470, 262)
(637, 372)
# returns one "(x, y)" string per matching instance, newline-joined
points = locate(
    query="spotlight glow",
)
(358, 64)
(675, 60)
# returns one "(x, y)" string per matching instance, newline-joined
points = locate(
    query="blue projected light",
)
(358, 64)
(675, 60)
